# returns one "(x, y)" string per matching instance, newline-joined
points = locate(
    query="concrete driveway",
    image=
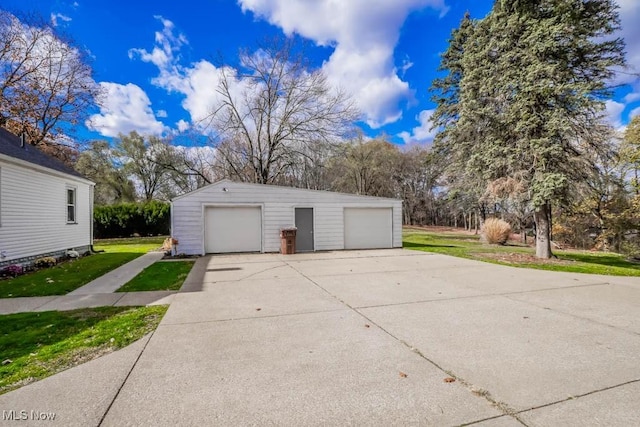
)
(368, 338)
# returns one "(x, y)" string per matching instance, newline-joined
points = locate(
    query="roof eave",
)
(29, 165)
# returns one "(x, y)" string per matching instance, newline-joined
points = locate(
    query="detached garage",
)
(227, 217)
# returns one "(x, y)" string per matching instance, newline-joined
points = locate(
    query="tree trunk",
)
(477, 223)
(543, 231)
(523, 231)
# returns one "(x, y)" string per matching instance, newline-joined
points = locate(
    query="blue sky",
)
(157, 60)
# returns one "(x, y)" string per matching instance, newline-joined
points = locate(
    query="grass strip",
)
(70, 275)
(468, 246)
(159, 276)
(64, 277)
(41, 344)
(131, 244)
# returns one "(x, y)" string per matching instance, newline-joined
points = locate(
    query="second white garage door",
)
(368, 228)
(232, 229)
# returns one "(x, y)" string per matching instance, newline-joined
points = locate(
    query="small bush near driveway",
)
(496, 231)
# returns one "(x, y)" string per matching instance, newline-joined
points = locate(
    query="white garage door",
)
(368, 228)
(232, 229)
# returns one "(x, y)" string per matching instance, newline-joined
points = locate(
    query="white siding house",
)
(237, 217)
(45, 207)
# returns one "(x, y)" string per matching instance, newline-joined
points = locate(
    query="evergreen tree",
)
(446, 89)
(531, 98)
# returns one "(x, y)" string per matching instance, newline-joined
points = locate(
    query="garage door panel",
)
(368, 228)
(233, 229)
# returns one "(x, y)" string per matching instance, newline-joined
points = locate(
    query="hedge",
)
(126, 219)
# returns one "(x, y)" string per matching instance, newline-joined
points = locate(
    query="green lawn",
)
(160, 276)
(133, 244)
(42, 344)
(465, 245)
(70, 275)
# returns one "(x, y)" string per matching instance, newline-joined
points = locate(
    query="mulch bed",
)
(180, 256)
(515, 258)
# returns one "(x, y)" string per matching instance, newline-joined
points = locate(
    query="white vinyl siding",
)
(34, 212)
(232, 229)
(278, 211)
(368, 228)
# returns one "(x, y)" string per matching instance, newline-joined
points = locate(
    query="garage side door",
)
(232, 229)
(368, 228)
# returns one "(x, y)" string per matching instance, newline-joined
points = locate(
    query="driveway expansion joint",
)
(47, 302)
(115, 397)
(479, 392)
(575, 316)
(579, 396)
(493, 418)
(233, 319)
(118, 300)
(500, 406)
(498, 294)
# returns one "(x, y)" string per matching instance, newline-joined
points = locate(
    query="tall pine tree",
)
(531, 98)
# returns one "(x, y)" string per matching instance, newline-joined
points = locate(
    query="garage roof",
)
(293, 189)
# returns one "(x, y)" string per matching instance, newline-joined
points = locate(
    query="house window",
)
(71, 205)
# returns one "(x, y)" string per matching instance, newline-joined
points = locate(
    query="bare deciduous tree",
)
(187, 168)
(272, 109)
(366, 167)
(46, 82)
(140, 158)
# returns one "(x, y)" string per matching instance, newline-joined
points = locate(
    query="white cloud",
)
(614, 112)
(422, 133)
(205, 152)
(197, 82)
(406, 65)
(56, 17)
(162, 114)
(182, 125)
(634, 112)
(167, 45)
(630, 22)
(633, 96)
(364, 34)
(125, 108)
(629, 11)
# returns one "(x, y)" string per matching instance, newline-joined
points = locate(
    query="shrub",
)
(496, 231)
(13, 270)
(128, 219)
(72, 254)
(44, 262)
(631, 248)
